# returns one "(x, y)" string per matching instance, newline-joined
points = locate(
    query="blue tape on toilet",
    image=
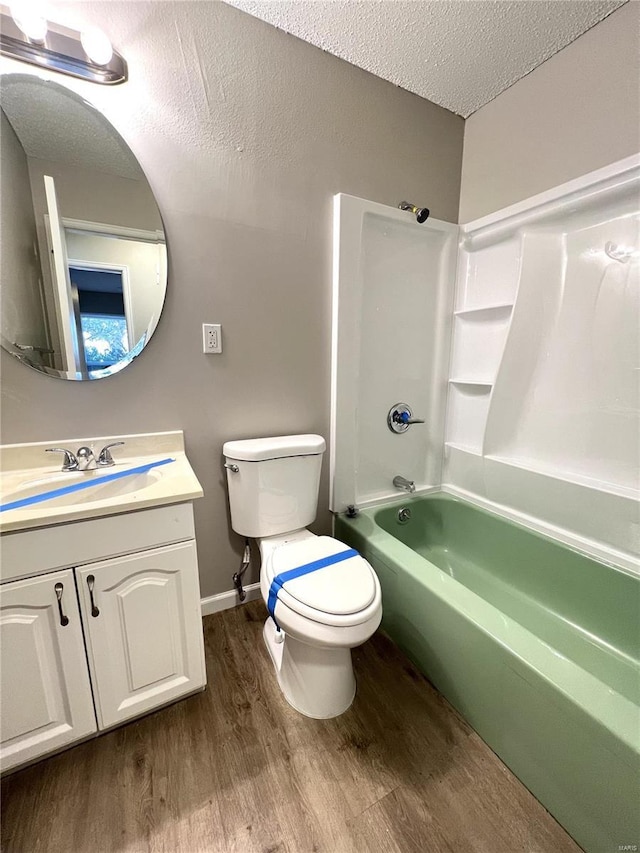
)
(77, 487)
(279, 580)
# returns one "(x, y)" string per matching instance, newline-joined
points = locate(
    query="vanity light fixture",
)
(97, 46)
(31, 21)
(27, 36)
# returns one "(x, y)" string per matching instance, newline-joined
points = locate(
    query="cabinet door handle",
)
(64, 620)
(90, 582)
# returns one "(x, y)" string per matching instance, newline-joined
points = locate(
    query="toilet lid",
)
(339, 588)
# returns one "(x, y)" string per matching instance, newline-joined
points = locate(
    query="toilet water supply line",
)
(237, 577)
(77, 487)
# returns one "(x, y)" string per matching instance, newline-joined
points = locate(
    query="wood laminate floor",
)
(236, 769)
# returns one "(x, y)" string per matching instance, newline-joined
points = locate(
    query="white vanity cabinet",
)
(44, 683)
(144, 630)
(131, 643)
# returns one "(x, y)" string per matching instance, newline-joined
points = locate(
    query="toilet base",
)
(316, 681)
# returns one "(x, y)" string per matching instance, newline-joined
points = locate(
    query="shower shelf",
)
(478, 343)
(476, 313)
(479, 383)
(466, 448)
(468, 407)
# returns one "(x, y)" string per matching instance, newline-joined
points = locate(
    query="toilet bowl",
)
(317, 619)
(323, 597)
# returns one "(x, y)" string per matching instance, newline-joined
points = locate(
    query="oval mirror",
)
(83, 261)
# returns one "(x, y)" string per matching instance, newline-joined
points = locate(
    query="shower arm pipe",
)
(421, 213)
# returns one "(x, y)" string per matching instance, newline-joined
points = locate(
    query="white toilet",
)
(323, 597)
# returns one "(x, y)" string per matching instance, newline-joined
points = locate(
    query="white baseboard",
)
(226, 600)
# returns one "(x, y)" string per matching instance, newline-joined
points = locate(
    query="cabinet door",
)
(44, 682)
(144, 630)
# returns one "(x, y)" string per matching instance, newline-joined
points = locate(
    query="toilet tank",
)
(275, 487)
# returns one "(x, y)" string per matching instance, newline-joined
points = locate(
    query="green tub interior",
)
(586, 610)
(535, 644)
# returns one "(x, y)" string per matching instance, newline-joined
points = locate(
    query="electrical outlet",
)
(211, 337)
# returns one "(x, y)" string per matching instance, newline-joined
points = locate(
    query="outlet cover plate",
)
(211, 338)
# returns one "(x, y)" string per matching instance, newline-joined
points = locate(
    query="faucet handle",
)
(105, 459)
(406, 418)
(70, 462)
(400, 418)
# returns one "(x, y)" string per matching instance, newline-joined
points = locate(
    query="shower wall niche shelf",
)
(471, 382)
(467, 415)
(472, 313)
(486, 293)
(488, 275)
(478, 341)
(453, 446)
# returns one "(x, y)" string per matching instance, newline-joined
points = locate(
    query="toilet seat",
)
(338, 594)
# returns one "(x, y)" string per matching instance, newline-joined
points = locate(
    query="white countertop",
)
(21, 464)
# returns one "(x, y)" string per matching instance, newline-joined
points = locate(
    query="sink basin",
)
(100, 491)
(153, 472)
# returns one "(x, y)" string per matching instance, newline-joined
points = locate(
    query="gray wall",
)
(22, 314)
(94, 196)
(578, 111)
(245, 134)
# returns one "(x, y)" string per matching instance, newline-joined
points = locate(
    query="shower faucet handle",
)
(400, 418)
(405, 418)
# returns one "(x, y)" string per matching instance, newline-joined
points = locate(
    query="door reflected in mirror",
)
(83, 261)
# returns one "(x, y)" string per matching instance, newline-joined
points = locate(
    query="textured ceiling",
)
(457, 54)
(54, 124)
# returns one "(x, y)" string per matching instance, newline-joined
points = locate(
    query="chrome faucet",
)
(404, 484)
(85, 459)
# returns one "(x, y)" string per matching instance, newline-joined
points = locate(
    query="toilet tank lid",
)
(259, 449)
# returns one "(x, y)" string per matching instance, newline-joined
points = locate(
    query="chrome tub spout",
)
(404, 484)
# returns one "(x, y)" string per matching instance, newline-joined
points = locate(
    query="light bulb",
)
(97, 46)
(29, 19)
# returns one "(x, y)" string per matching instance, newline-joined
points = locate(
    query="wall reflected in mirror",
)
(83, 261)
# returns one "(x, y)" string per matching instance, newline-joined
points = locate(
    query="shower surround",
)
(544, 378)
(525, 368)
(524, 364)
